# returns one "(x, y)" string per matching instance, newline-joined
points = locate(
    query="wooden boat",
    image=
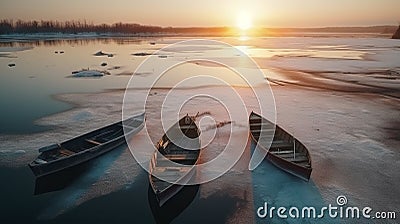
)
(285, 151)
(57, 157)
(166, 168)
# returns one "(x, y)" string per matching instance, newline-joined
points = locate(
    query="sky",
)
(184, 13)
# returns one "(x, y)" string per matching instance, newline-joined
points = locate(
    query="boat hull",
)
(171, 191)
(63, 163)
(289, 167)
(165, 190)
(303, 172)
(56, 166)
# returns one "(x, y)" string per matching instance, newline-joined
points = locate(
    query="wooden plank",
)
(180, 157)
(93, 141)
(262, 130)
(255, 118)
(282, 152)
(66, 152)
(291, 156)
(281, 144)
(163, 163)
(262, 124)
(165, 172)
(192, 126)
(297, 159)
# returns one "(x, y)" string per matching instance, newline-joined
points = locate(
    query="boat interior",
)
(168, 151)
(87, 141)
(283, 144)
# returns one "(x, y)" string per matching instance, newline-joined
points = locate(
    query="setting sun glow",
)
(244, 21)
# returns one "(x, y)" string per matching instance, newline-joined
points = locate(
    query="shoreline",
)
(35, 40)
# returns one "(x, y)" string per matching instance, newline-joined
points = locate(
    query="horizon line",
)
(183, 27)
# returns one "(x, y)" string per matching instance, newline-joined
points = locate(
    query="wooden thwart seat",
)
(180, 157)
(282, 152)
(93, 141)
(187, 126)
(298, 155)
(262, 130)
(281, 144)
(255, 118)
(171, 172)
(298, 159)
(66, 152)
(262, 124)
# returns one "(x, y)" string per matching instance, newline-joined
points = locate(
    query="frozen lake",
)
(339, 96)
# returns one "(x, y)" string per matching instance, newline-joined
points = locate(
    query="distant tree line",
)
(76, 26)
(46, 26)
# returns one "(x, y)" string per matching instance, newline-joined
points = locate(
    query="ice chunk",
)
(89, 73)
(101, 53)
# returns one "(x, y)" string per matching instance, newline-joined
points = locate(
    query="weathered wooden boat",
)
(179, 146)
(57, 157)
(284, 151)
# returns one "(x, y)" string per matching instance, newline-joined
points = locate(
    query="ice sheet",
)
(352, 136)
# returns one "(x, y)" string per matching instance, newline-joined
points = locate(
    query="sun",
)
(244, 21)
